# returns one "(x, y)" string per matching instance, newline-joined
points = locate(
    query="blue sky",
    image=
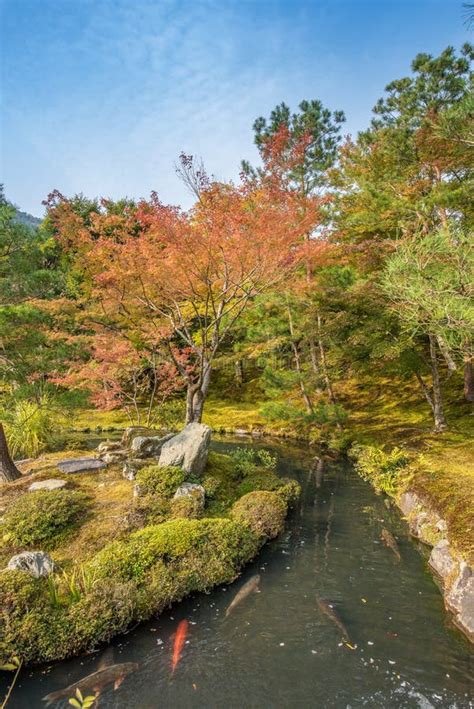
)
(101, 96)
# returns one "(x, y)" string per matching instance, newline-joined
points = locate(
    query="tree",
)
(178, 282)
(429, 281)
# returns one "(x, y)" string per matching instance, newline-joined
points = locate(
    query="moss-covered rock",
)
(188, 507)
(41, 517)
(263, 512)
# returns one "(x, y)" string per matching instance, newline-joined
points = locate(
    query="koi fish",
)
(96, 682)
(390, 542)
(250, 587)
(332, 614)
(179, 639)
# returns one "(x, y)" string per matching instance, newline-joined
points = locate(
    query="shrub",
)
(187, 506)
(211, 485)
(42, 516)
(381, 469)
(262, 511)
(247, 459)
(33, 427)
(289, 490)
(160, 480)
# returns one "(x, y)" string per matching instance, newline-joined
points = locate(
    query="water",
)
(277, 649)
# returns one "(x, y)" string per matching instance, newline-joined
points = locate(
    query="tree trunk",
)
(8, 469)
(239, 372)
(438, 413)
(468, 379)
(294, 347)
(196, 396)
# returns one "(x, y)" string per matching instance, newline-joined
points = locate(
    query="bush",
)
(160, 480)
(289, 490)
(381, 469)
(247, 459)
(263, 512)
(211, 485)
(33, 427)
(187, 506)
(42, 516)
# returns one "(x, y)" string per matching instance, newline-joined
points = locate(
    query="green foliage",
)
(383, 470)
(160, 480)
(187, 506)
(263, 512)
(40, 517)
(81, 702)
(289, 490)
(247, 459)
(33, 426)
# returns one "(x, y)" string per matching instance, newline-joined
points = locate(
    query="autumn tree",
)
(179, 281)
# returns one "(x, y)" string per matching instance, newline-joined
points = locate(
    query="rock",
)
(36, 563)
(191, 490)
(131, 468)
(241, 432)
(108, 446)
(460, 600)
(149, 446)
(133, 431)
(188, 449)
(114, 456)
(52, 484)
(441, 560)
(408, 503)
(80, 465)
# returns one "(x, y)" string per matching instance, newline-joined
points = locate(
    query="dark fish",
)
(390, 542)
(96, 682)
(332, 614)
(250, 587)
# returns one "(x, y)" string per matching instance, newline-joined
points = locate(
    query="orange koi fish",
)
(179, 639)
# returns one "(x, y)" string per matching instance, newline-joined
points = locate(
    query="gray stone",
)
(408, 502)
(80, 465)
(35, 563)
(52, 484)
(241, 432)
(108, 446)
(460, 600)
(441, 560)
(131, 468)
(191, 490)
(133, 431)
(148, 446)
(188, 449)
(114, 456)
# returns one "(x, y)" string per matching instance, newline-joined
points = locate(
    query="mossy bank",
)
(123, 558)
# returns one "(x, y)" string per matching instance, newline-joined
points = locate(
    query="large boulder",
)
(441, 560)
(51, 484)
(35, 563)
(188, 449)
(148, 446)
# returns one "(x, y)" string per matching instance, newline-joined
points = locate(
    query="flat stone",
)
(35, 563)
(441, 560)
(52, 484)
(114, 456)
(108, 446)
(80, 465)
(188, 449)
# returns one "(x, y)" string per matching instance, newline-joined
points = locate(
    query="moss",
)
(131, 580)
(41, 517)
(160, 480)
(263, 512)
(188, 507)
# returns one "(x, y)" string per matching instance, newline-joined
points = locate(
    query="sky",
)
(101, 96)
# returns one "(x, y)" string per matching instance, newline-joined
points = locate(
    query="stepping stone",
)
(51, 484)
(80, 465)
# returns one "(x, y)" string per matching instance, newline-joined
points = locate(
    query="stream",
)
(277, 649)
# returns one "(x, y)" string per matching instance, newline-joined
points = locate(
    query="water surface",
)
(277, 649)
